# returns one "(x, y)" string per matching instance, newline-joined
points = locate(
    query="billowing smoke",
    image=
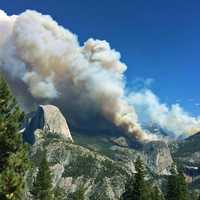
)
(48, 61)
(173, 119)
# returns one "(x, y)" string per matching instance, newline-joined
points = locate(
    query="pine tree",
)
(13, 153)
(176, 186)
(172, 184)
(182, 186)
(137, 189)
(42, 186)
(139, 183)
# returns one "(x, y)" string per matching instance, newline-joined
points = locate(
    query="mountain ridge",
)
(99, 162)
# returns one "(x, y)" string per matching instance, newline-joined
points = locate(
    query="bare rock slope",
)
(49, 119)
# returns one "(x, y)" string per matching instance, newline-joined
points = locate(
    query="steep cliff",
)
(49, 119)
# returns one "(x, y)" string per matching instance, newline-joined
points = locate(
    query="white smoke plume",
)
(49, 60)
(172, 119)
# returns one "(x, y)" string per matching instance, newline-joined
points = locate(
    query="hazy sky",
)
(157, 39)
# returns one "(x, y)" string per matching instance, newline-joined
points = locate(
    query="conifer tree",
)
(182, 186)
(172, 184)
(137, 189)
(139, 183)
(13, 153)
(176, 186)
(42, 186)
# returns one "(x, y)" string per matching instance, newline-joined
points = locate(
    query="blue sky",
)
(157, 39)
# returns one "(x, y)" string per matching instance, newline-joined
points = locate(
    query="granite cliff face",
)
(49, 119)
(158, 156)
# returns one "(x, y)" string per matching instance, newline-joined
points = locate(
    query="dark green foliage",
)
(172, 185)
(85, 165)
(193, 195)
(42, 186)
(128, 195)
(78, 194)
(176, 186)
(139, 183)
(82, 165)
(108, 169)
(156, 194)
(182, 187)
(13, 153)
(59, 194)
(137, 188)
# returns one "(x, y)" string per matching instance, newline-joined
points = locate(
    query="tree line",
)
(137, 188)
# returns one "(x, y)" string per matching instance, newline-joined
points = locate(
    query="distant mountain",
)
(193, 137)
(189, 149)
(155, 129)
(187, 154)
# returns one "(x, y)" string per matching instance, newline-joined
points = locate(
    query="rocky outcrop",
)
(74, 167)
(120, 141)
(49, 119)
(158, 156)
